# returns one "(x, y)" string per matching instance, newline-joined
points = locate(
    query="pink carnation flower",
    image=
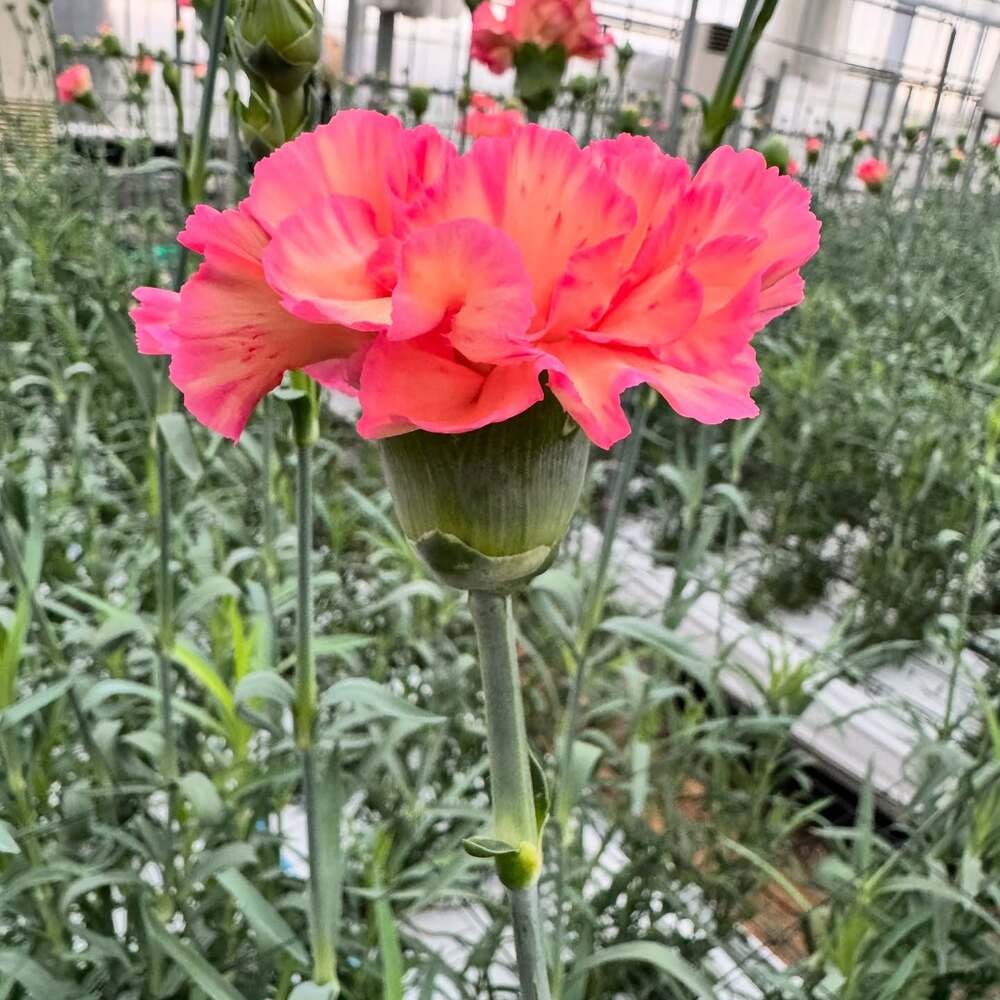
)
(995, 141)
(814, 144)
(487, 118)
(446, 291)
(570, 23)
(74, 84)
(144, 65)
(200, 70)
(873, 173)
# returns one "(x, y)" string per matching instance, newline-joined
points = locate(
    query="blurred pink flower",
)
(814, 144)
(570, 23)
(486, 117)
(74, 84)
(200, 69)
(873, 173)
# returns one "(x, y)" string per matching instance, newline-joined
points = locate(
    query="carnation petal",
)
(539, 188)
(653, 180)
(357, 153)
(154, 318)
(320, 262)
(409, 384)
(471, 276)
(234, 341)
(590, 379)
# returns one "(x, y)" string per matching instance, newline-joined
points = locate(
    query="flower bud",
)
(172, 79)
(418, 99)
(260, 123)
(628, 120)
(279, 40)
(953, 164)
(623, 56)
(912, 134)
(487, 509)
(581, 87)
(775, 154)
(270, 119)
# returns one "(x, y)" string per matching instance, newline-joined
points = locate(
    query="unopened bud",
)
(279, 41)
(775, 154)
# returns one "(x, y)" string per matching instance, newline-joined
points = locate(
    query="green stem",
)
(324, 894)
(267, 513)
(510, 771)
(165, 601)
(199, 145)
(324, 882)
(528, 944)
(305, 663)
(463, 139)
(514, 818)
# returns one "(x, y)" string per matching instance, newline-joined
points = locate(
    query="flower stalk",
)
(321, 821)
(516, 823)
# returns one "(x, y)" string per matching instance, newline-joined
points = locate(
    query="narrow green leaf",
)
(487, 847)
(27, 707)
(205, 673)
(198, 789)
(311, 991)
(208, 591)
(390, 951)
(583, 760)
(176, 432)
(539, 792)
(769, 870)
(33, 977)
(233, 855)
(271, 928)
(267, 685)
(361, 691)
(8, 845)
(113, 687)
(88, 883)
(667, 960)
(195, 967)
(940, 890)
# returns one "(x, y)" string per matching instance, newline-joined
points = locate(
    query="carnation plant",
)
(487, 311)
